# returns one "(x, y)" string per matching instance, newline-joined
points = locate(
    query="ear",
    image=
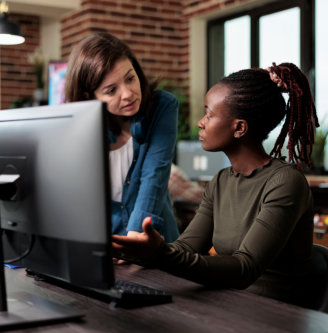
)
(241, 128)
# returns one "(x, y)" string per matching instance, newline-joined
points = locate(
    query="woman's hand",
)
(137, 245)
(118, 261)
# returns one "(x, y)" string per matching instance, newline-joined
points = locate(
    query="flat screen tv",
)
(55, 191)
(56, 81)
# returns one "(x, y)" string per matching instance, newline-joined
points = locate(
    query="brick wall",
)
(17, 78)
(202, 7)
(156, 30)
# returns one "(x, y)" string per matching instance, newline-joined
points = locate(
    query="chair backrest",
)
(321, 302)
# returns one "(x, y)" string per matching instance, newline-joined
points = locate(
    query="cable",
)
(24, 254)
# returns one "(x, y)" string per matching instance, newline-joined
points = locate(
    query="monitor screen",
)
(56, 82)
(197, 163)
(58, 208)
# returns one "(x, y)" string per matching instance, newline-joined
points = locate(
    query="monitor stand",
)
(23, 310)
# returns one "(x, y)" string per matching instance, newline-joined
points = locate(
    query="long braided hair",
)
(256, 96)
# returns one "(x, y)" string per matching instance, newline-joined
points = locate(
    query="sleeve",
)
(153, 190)
(285, 201)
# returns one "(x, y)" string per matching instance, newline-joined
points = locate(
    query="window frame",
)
(215, 69)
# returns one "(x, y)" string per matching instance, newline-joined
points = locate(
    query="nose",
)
(200, 123)
(126, 92)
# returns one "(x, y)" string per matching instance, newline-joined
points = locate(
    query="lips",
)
(129, 106)
(200, 138)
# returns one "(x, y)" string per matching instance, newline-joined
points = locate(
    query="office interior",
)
(187, 45)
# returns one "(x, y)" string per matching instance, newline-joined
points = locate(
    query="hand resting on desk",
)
(141, 245)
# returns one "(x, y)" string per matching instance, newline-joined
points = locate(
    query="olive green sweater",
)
(261, 225)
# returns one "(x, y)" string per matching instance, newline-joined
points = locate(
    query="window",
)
(321, 57)
(281, 43)
(281, 31)
(237, 38)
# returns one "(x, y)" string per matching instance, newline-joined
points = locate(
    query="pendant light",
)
(10, 32)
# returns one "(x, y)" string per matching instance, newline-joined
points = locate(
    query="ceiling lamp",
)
(10, 32)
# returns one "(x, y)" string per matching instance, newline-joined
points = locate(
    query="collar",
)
(253, 172)
(137, 128)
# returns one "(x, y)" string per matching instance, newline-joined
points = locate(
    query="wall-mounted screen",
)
(56, 84)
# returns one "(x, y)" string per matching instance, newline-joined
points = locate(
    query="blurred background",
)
(186, 44)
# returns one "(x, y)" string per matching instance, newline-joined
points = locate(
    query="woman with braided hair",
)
(257, 214)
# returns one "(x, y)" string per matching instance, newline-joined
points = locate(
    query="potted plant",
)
(36, 59)
(171, 85)
(318, 150)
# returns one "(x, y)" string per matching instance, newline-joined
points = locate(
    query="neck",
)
(124, 136)
(247, 159)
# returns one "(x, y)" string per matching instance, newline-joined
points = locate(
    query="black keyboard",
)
(124, 294)
(129, 294)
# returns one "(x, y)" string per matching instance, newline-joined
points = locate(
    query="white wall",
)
(50, 43)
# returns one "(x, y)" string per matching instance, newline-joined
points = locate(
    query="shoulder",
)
(282, 169)
(165, 98)
(165, 107)
(286, 175)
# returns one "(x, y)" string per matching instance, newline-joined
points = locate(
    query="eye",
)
(131, 78)
(110, 91)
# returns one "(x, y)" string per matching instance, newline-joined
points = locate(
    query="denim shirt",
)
(145, 189)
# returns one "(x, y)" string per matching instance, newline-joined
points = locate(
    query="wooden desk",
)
(194, 309)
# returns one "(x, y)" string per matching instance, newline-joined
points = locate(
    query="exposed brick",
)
(194, 3)
(148, 26)
(136, 33)
(128, 6)
(156, 36)
(16, 73)
(156, 30)
(149, 9)
(167, 28)
(117, 14)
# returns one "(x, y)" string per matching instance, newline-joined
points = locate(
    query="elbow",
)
(237, 271)
(249, 272)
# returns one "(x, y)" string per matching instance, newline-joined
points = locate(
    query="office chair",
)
(321, 302)
(312, 291)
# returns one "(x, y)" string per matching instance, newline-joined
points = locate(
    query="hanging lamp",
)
(10, 32)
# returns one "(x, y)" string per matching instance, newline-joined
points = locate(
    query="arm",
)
(156, 167)
(287, 198)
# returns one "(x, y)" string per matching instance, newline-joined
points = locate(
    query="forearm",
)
(214, 271)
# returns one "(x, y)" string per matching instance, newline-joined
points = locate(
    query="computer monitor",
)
(55, 191)
(56, 81)
(197, 163)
